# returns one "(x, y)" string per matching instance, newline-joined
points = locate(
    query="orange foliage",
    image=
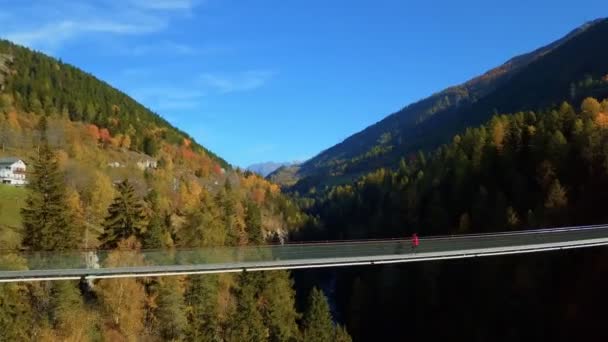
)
(258, 195)
(275, 189)
(187, 142)
(217, 169)
(115, 142)
(12, 119)
(93, 131)
(602, 120)
(187, 153)
(104, 135)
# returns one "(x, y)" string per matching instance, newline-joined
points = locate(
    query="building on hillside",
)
(12, 171)
(115, 164)
(147, 164)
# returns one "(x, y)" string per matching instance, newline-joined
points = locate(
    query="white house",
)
(147, 164)
(12, 171)
(115, 164)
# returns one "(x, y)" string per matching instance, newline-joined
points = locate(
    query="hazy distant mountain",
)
(544, 77)
(264, 169)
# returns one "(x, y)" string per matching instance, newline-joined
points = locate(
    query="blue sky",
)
(261, 80)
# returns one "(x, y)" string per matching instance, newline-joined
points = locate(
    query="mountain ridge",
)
(403, 132)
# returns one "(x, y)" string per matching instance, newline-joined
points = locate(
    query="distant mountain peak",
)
(266, 168)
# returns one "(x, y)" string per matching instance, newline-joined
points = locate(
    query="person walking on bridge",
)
(415, 241)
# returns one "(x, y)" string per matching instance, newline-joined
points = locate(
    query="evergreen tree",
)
(65, 300)
(342, 335)
(153, 237)
(170, 311)
(246, 323)
(125, 217)
(278, 305)
(318, 325)
(556, 196)
(150, 146)
(15, 313)
(204, 226)
(46, 221)
(225, 200)
(202, 302)
(253, 222)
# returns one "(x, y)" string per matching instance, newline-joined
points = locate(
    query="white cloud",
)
(169, 97)
(167, 47)
(49, 24)
(243, 81)
(54, 34)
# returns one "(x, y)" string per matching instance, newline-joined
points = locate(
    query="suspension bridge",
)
(37, 266)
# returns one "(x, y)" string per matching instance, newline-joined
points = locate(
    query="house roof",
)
(9, 160)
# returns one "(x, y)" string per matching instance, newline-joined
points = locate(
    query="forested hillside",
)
(105, 173)
(521, 171)
(43, 85)
(571, 68)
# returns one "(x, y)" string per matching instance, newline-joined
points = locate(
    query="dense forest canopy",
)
(519, 171)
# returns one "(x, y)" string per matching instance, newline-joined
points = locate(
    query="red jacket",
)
(415, 241)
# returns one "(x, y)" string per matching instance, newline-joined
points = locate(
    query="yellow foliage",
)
(99, 196)
(189, 194)
(275, 189)
(62, 158)
(498, 133)
(124, 299)
(126, 142)
(76, 326)
(591, 106)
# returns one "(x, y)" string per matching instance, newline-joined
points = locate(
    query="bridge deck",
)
(73, 265)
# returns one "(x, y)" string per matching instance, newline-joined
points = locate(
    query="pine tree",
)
(253, 222)
(65, 300)
(171, 311)
(246, 323)
(225, 200)
(150, 147)
(318, 325)
(342, 335)
(125, 218)
(153, 237)
(15, 313)
(46, 220)
(278, 308)
(202, 302)
(556, 196)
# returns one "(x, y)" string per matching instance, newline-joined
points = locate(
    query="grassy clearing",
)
(12, 200)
